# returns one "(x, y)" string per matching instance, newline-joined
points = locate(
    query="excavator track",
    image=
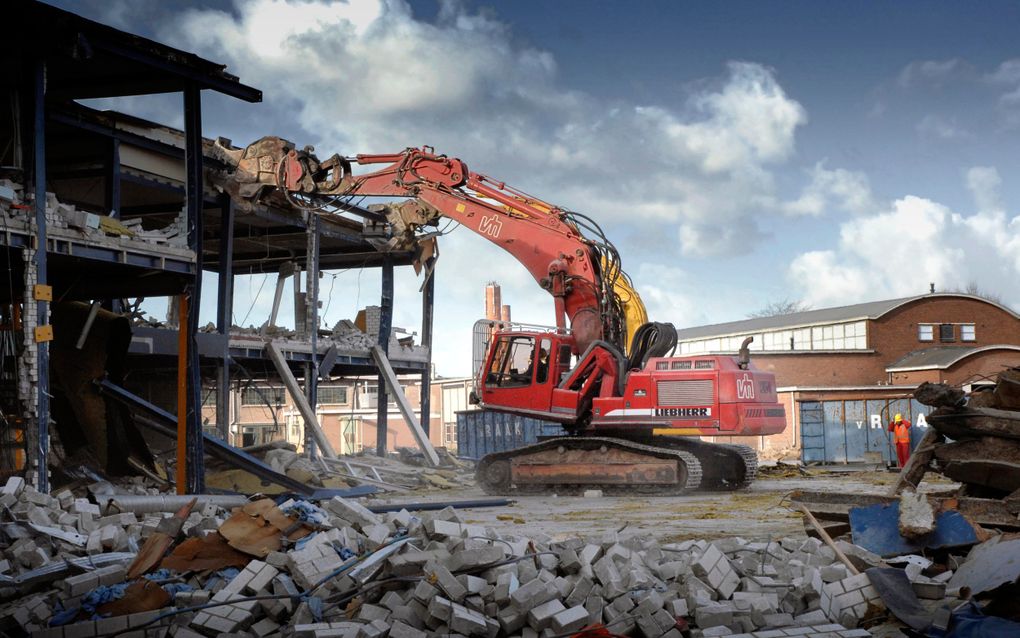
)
(727, 466)
(618, 466)
(571, 464)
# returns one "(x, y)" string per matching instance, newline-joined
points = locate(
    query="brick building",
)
(843, 371)
(346, 410)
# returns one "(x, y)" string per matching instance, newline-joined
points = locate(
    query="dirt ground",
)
(757, 513)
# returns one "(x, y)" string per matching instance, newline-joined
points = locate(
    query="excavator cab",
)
(520, 368)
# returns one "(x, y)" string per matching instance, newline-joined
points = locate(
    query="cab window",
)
(512, 362)
(542, 367)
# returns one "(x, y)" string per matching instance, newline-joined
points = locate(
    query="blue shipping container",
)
(843, 431)
(481, 432)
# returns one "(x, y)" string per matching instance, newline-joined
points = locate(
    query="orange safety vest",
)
(901, 431)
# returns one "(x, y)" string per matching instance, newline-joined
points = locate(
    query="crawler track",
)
(660, 466)
(572, 464)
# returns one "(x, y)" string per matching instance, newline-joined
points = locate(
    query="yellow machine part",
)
(633, 309)
(634, 312)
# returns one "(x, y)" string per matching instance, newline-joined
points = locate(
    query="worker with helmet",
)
(900, 428)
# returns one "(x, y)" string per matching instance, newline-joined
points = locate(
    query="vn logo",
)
(490, 225)
(745, 387)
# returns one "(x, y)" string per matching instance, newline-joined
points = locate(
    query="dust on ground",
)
(760, 512)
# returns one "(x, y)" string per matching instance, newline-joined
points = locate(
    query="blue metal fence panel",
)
(812, 431)
(855, 424)
(835, 432)
(843, 431)
(481, 432)
(878, 433)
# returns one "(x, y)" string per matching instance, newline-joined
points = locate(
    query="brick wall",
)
(891, 337)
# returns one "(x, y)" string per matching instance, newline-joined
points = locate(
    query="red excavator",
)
(634, 412)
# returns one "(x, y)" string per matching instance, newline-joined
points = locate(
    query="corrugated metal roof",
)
(940, 357)
(936, 357)
(867, 310)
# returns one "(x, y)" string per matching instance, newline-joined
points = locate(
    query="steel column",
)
(428, 297)
(224, 314)
(312, 320)
(113, 180)
(385, 327)
(42, 307)
(194, 202)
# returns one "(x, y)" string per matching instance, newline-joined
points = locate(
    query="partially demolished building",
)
(101, 210)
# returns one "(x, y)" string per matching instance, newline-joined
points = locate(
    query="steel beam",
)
(312, 320)
(307, 413)
(224, 314)
(386, 372)
(113, 180)
(41, 307)
(385, 328)
(195, 196)
(428, 298)
(162, 421)
(192, 78)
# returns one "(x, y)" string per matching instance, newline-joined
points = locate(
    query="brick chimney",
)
(493, 302)
(504, 313)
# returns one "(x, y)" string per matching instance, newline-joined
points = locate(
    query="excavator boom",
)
(604, 372)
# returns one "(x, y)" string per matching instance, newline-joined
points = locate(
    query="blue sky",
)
(737, 152)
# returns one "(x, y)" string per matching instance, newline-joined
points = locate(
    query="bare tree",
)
(779, 307)
(972, 288)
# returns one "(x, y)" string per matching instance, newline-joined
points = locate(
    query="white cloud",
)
(941, 128)
(983, 183)
(898, 251)
(370, 77)
(934, 72)
(839, 188)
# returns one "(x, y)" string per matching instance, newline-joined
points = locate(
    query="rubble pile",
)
(974, 438)
(386, 474)
(339, 569)
(102, 228)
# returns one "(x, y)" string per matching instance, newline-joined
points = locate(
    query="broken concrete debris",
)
(338, 569)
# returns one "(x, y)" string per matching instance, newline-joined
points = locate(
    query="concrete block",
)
(402, 630)
(447, 582)
(570, 619)
(531, 595)
(917, 518)
(475, 558)
(712, 615)
(541, 616)
(656, 624)
(352, 511)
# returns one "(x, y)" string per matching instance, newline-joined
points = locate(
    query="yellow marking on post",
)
(676, 431)
(43, 333)
(42, 292)
(461, 208)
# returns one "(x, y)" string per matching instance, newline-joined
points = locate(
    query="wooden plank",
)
(393, 385)
(918, 462)
(300, 400)
(824, 535)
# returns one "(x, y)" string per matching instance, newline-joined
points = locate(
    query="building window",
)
(967, 332)
(925, 332)
(265, 395)
(332, 395)
(946, 332)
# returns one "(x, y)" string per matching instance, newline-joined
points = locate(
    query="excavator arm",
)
(593, 297)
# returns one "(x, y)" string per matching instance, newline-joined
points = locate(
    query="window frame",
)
(947, 333)
(964, 329)
(928, 328)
